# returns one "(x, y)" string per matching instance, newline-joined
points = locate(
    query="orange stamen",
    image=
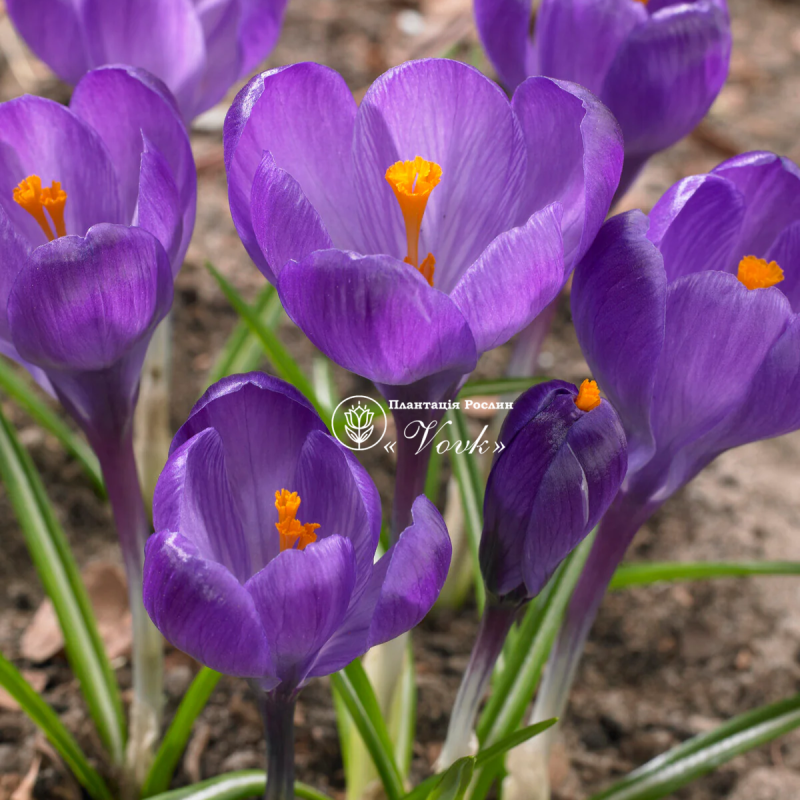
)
(294, 534)
(756, 273)
(412, 183)
(588, 396)
(34, 199)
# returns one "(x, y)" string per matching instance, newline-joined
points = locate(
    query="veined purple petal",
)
(786, 252)
(376, 316)
(14, 252)
(517, 275)
(259, 30)
(202, 609)
(503, 26)
(303, 115)
(667, 73)
(286, 225)
(52, 29)
(41, 137)
(164, 37)
(696, 225)
(302, 598)
(449, 113)
(142, 106)
(619, 309)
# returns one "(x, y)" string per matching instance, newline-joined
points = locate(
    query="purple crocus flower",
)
(657, 65)
(564, 460)
(689, 320)
(96, 210)
(199, 48)
(235, 579)
(414, 232)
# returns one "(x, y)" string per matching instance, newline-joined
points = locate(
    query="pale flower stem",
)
(278, 713)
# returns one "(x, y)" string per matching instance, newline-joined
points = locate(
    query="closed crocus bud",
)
(657, 64)
(199, 49)
(564, 460)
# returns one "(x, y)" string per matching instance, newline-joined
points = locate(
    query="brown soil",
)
(663, 663)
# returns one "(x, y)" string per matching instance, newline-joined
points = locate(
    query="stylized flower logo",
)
(359, 425)
(354, 422)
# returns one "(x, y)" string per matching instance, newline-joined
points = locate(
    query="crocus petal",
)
(338, 494)
(468, 128)
(202, 609)
(142, 106)
(696, 223)
(786, 252)
(259, 30)
(302, 598)
(83, 303)
(717, 335)
(517, 275)
(376, 316)
(303, 115)
(164, 37)
(41, 137)
(286, 225)
(771, 188)
(619, 309)
(503, 27)
(14, 251)
(193, 497)
(403, 587)
(667, 73)
(159, 210)
(577, 40)
(256, 418)
(52, 29)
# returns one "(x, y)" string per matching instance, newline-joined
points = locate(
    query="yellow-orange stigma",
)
(412, 183)
(294, 535)
(756, 273)
(34, 199)
(588, 396)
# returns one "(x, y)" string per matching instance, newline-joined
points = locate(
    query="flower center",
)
(756, 273)
(294, 534)
(588, 396)
(412, 183)
(34, 199)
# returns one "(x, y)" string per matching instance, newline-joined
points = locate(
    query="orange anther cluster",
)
(35, 199)
(412, 183)
(294, 534)
(756, 273)
(588, 396)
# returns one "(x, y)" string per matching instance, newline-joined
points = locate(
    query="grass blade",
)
(58, 572)
(236, 786)
(647, 573)
(52, 727)
(174, 742)
(702, 754)
(282, 362)
(27, 397)
(325, 388)
(511, 741)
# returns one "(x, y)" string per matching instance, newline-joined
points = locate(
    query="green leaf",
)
(243, 351)
(696, 757)
(470, 485)
(28, 398)
(325, 388)
(52, 727)
(511, 741)
(434, 476)
(282, 362)
(174, 742)
(60, 577)
(236, 786)
(646, 573)
(451, 777)
(354, 690)
(499, 386)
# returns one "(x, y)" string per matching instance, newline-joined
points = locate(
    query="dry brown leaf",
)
(35, 677)
(108, 594)
(25, 789)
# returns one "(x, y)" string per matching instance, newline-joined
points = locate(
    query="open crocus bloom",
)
(119, 154)
(266, 530)
(710, 284)
(657, 64)
(411, 234)
(199, 48)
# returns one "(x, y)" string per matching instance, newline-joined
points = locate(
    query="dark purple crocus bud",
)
(564, 460)
(657, 65)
